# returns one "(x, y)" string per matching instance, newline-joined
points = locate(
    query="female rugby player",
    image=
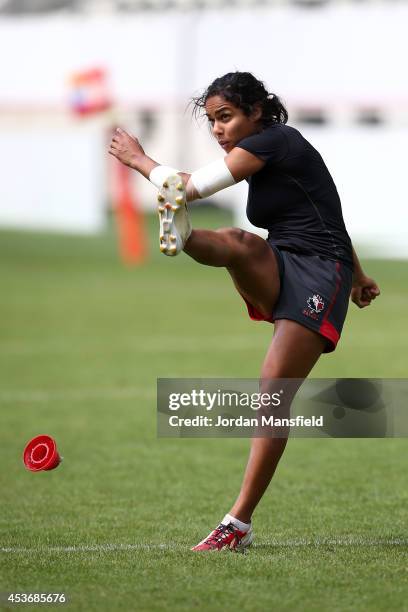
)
(300, 278)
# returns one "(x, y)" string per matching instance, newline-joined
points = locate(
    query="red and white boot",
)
(226, 536)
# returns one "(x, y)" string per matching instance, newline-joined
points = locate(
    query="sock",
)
(231, 519)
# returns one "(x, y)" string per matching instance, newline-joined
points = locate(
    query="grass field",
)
(83, 340)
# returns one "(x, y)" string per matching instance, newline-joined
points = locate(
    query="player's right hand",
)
(125, 148)
(364, 291)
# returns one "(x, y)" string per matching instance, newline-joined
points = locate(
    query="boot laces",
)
(222, 532)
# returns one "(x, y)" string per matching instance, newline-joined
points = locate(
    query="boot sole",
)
(171, 198)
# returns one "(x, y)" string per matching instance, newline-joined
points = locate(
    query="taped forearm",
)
(201, 183)
(212, 178)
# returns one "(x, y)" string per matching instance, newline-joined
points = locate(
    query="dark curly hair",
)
(244, 91)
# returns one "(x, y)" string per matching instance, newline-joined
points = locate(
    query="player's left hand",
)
(125, 148)
(364, 291)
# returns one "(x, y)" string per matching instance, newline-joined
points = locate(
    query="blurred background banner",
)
(337, 65)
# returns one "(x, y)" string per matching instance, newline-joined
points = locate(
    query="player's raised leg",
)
(248, 258)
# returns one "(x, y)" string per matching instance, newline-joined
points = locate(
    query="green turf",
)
(83, 340)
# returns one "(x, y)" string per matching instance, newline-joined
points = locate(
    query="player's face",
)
(229, 123)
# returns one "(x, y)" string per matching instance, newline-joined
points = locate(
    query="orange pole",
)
(129, 218)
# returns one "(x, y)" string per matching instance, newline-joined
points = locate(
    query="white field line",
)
(91, 548)
(340, 542)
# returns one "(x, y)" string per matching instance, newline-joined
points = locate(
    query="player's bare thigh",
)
(293, 351)
(254, 270)
(292, 354)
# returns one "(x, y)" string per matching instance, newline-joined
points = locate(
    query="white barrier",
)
(52, 176)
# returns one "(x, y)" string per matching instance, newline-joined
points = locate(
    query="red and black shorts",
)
(314, 292)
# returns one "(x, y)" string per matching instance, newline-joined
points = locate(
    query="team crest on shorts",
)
(315, 306)
(315, 303)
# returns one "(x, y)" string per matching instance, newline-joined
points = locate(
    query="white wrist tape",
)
(212, 178)
(159, 174)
